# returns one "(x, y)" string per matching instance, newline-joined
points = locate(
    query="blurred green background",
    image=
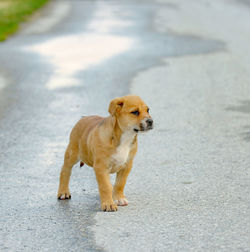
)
(13, 12)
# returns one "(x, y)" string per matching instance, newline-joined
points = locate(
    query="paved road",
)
(189, 188)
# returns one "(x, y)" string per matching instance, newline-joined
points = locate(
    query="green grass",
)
(13, 12)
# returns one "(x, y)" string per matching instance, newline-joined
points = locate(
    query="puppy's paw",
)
(63, 194)
(109, 207)
(121, 202)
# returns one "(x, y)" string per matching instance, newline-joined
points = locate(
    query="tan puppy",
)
(109, 145)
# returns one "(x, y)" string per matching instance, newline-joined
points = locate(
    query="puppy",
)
(109, 145)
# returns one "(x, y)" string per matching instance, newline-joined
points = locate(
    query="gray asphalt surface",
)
(189, 188)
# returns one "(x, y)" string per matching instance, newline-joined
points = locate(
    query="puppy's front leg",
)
(121, 178)
(105, 187)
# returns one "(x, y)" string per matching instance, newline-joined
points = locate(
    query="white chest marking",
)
(121, 155)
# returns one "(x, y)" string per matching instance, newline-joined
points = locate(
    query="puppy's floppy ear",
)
(115, 105)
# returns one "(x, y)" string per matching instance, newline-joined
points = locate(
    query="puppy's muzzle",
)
(146, 124)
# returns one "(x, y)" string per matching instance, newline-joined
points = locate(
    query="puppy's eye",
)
(136, 112)
(147, 109)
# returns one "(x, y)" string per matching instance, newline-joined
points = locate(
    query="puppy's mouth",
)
(142, 128)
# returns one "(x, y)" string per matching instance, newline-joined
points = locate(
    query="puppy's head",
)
(131, 113)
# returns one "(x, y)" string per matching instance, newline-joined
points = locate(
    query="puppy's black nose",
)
(149, 122)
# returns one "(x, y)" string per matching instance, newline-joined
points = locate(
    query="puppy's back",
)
(84, 126)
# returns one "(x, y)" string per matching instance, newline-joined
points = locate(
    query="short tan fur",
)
(108, 144)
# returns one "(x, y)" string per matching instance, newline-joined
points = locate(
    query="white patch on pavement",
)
(73, 53)
(70, 54)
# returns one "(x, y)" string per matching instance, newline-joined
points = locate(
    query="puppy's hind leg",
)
(70, 158)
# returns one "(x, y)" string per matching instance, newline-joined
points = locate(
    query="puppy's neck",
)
(122, 137)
